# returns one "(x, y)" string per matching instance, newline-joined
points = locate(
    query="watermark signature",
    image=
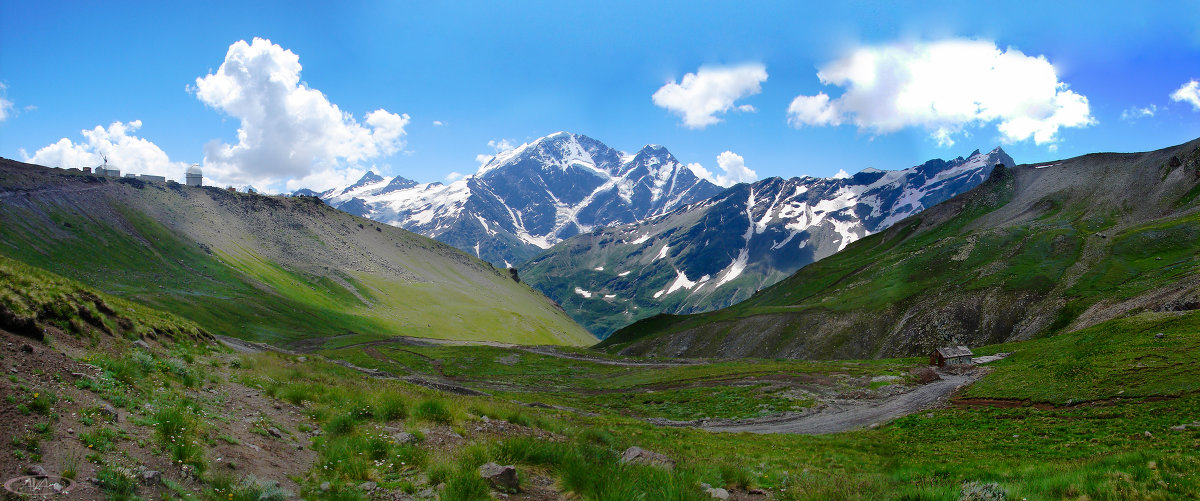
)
(39, 486)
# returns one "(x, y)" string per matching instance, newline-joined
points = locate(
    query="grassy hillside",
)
(1033, 251)
(281, 270)
(1107, 412)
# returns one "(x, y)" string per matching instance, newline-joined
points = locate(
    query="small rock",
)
(485, 419)
(275, 432)
(325, 486)
(501, 478)
(142, 344)
(256, 448)
(301, 359)
(13, 370)
(151, 477)
(27, 348)
(1159, 336)
(1148, 435)
(35, 470)
(638, 455)
(1153, 465)
(78, 375)
(718, 493)
(70, 431)
(704, 486)
(1181, 427)
(368, 486)
(404, 438)
(109, 411)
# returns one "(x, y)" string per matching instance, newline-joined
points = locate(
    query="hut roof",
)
(954, 351)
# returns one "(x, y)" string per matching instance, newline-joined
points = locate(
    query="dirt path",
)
(549, 351)
(842, 416)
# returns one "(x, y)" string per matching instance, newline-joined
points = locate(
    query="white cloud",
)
(1188, 92)
(438, 123)
(125, 151)
(453, 176)
(1135, 113)
(6, 106)
(944, 87)
(497, 146)
(700, 96)
(841, 174)
(733, 168)
(289, 132)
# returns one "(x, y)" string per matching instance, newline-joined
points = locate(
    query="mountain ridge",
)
(716, 252)
(1036, 249)
(267, 268)
(530, 197)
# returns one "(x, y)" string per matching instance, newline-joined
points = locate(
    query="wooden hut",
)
(950, 356)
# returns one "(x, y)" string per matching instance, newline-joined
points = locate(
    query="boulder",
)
(368, 486)
(150, 477)
(404, 438)
(638, 455)
(717, 493)
(502, 478)
(110, 412)
(142, 344)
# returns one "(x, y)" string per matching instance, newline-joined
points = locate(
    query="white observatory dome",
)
(194, 169)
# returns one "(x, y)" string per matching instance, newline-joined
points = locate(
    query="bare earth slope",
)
(273, 269)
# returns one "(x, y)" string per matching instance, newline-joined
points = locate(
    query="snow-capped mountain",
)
(721, 250)
(526, 199)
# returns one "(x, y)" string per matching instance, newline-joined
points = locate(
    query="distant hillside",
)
(1032, 251)
(718, 252)
(276, 269)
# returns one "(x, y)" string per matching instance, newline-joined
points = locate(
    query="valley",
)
(1104, 412)
(149, 352)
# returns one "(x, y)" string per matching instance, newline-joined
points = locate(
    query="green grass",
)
(125, 249)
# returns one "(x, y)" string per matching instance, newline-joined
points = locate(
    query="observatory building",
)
(194, 176)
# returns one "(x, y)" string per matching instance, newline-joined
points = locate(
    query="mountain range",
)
(715, 253)
(1034, 250)
(531, 197)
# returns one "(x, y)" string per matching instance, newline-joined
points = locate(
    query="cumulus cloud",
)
(497, 146)
(841, 174)
(733, 170)
(438, 123)
(125, 151)
(699, 97)
(944, 87)
(288, 131)
(1189, 93)
(1135, 113)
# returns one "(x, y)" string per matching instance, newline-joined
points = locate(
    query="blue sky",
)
(1069, 78)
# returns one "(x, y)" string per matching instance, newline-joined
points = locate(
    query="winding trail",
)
(839, 416)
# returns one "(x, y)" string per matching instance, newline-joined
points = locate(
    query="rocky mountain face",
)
(529, 198)
(719, 251)
(1034, 250)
